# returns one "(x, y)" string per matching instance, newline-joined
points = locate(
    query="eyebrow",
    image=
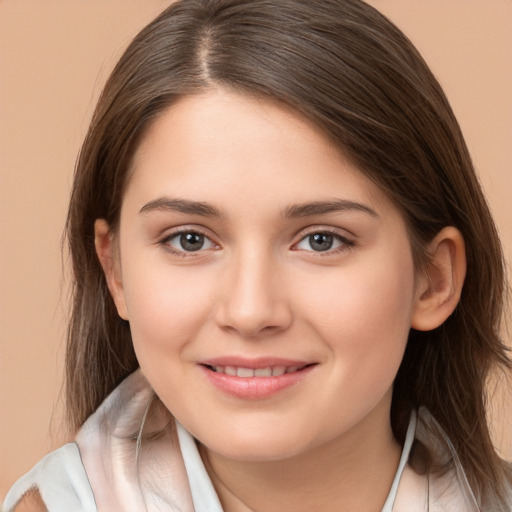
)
(293, 211)
(182, 206)
(324, 207)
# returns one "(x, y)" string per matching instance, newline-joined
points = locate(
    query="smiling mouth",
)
(269, 371)
(255, 379)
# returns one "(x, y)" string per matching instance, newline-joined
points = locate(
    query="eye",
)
(189, 241)
(323, 241)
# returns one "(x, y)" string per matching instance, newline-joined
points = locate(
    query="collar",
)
(132, 450)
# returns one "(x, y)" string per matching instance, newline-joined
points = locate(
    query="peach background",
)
(54, 58)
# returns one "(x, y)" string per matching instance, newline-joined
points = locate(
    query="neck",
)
(352, 472)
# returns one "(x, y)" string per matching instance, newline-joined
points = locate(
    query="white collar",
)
(203, 494)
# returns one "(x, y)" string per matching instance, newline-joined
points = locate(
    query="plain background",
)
(54, 58)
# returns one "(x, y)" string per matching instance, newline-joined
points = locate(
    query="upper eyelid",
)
(172, 232)
(339, 232)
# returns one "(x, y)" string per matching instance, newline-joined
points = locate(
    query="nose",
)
(253, 299)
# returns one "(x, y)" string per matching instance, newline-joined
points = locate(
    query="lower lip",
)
(254, 388)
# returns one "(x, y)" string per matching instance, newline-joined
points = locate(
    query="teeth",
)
(263, 372)
(278, 370)
(274, 371)
(245, 372)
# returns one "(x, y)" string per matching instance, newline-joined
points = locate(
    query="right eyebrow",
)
(182, 206)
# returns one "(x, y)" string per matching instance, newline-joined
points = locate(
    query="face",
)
(269, 285)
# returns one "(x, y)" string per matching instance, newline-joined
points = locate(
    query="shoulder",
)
(57, 482)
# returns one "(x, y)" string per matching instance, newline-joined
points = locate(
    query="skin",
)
(258, 288)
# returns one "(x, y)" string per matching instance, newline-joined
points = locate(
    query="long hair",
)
(355, 76)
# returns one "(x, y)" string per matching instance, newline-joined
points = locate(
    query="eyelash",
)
(346, 244)
(165, 242)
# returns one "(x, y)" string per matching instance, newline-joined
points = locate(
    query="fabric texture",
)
(131, 455)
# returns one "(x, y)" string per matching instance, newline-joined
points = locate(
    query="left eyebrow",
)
(324, 207)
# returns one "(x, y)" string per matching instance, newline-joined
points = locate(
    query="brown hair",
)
(352, 73)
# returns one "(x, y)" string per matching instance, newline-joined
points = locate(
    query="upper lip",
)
(255, 363)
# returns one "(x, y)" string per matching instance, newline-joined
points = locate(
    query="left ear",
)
(440, 285)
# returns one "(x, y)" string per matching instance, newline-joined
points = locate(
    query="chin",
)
(257, 446)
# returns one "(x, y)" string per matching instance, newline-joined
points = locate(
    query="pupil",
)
(321, 241)
(191, 241)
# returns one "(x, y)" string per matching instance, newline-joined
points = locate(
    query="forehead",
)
(222, 146)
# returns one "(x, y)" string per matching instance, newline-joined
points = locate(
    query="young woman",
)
(288, 285)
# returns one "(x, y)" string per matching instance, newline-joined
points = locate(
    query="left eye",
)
(321, 242)
(189, 241)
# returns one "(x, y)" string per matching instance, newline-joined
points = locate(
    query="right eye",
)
(188, 241)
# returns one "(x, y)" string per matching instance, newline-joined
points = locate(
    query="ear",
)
(439, 287)
(109, 258)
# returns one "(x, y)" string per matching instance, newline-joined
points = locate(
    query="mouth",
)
(255, 379)
(245, 372)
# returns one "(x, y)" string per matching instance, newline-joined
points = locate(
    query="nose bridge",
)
(254, 299)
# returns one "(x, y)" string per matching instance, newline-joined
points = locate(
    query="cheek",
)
(166, 307)
(365, 313)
